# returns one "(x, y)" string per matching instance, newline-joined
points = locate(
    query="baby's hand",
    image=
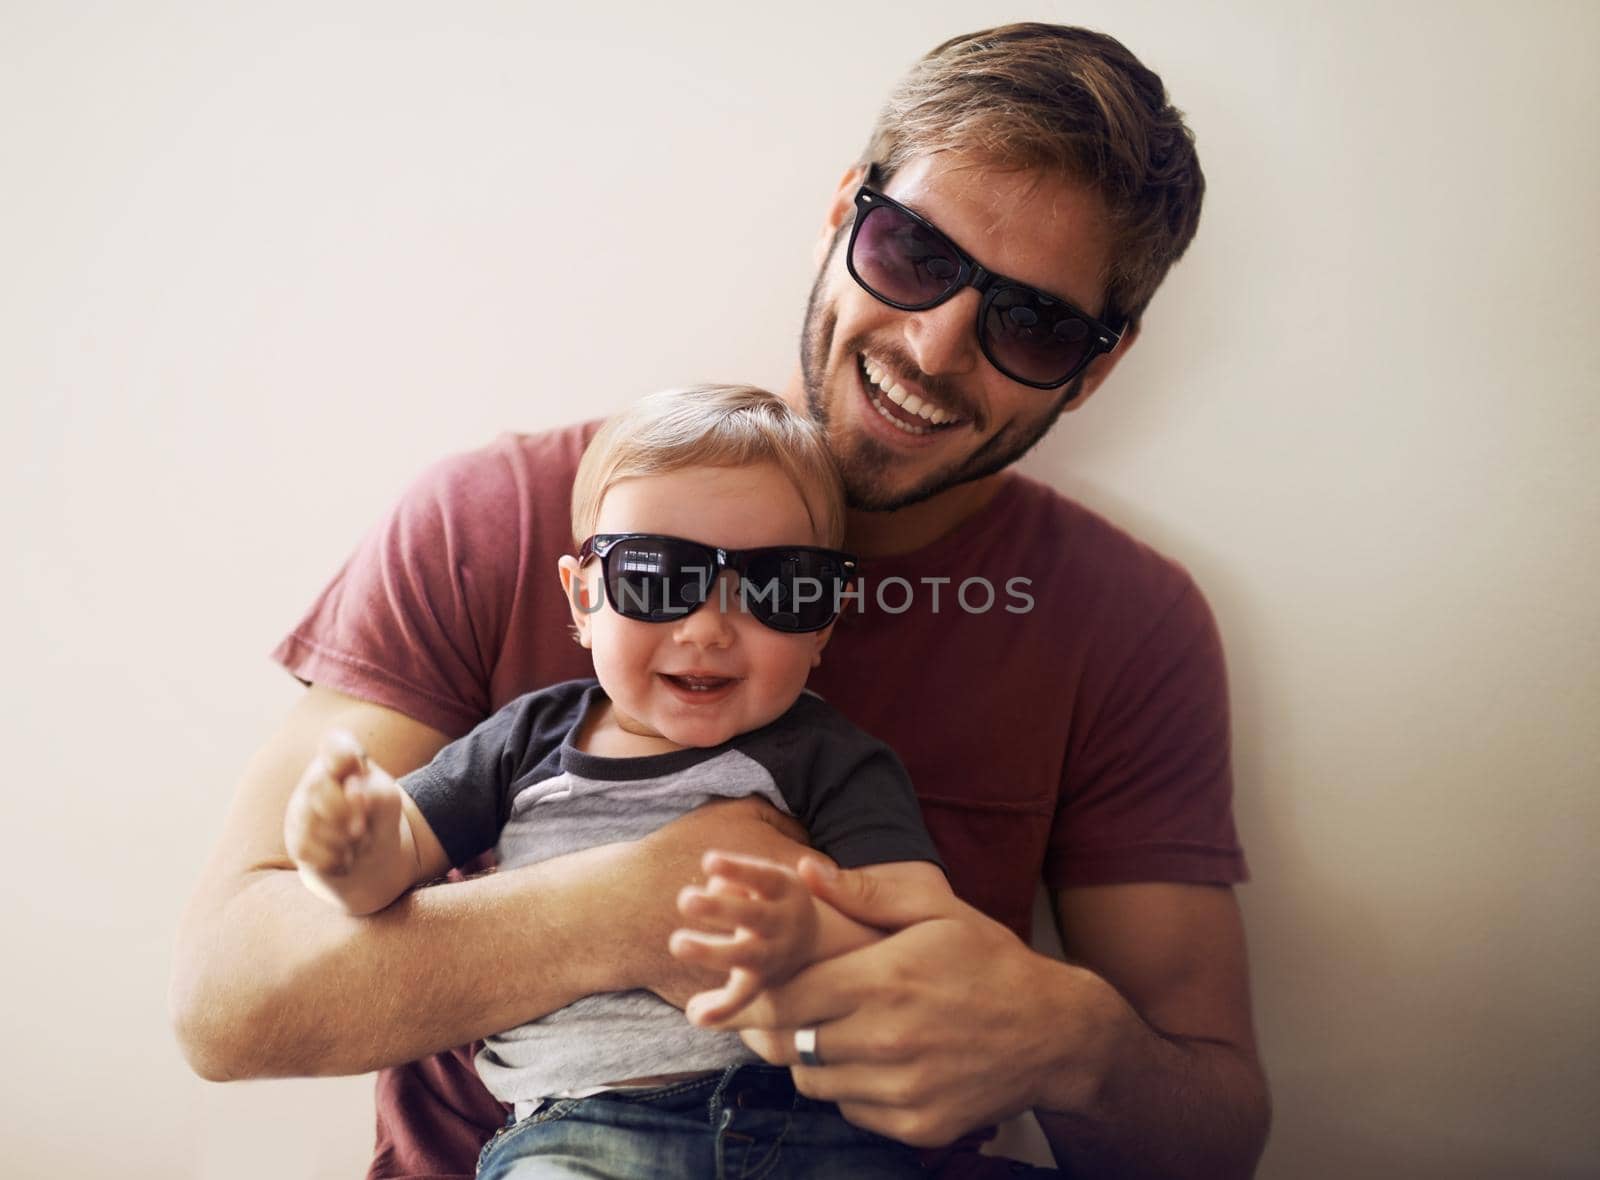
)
(343, 817)
(755, 919)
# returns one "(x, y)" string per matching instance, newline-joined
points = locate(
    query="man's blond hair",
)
(711, 426)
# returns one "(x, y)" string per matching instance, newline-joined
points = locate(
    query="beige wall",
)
(259, 265)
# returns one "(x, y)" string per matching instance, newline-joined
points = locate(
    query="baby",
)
(705, 585)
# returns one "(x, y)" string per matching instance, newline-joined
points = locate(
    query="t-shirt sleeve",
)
(412, 619)
(1147, 792)
(850, 791)
(465, 793)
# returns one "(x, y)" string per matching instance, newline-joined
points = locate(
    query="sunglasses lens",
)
(1032, 337)
(901, 260)
(793, 590)
(655, 581)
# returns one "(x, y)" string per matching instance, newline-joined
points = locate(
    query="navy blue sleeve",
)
(848, 789)
(465, 793)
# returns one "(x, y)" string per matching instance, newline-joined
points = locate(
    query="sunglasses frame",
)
(601, 546)
(988, 283)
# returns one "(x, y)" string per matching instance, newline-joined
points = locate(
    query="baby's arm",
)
(757, 920)
(356, 837)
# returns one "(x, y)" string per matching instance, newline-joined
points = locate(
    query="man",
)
(982, 269)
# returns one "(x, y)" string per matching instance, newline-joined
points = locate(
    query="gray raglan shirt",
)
(517, 784)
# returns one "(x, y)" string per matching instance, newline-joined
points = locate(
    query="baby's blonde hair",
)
(711, 426)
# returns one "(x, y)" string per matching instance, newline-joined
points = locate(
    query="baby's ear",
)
(579, 601)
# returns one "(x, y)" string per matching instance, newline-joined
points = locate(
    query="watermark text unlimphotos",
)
(893, 596)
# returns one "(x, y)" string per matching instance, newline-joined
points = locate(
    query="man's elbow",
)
(253, 1034)
(212, 1030)
(229, 1002)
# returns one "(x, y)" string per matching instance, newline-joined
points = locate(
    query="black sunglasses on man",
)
(901, 258)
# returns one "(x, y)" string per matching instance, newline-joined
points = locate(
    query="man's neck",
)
(889, 534)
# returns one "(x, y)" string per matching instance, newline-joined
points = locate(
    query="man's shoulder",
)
(468, 504)
(519, 460)
(559, 443)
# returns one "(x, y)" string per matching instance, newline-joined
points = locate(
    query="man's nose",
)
(944, 339)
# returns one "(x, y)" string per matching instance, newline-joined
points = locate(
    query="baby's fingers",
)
(714, 952)
(341, 755)
(345, 769)
(742, 952)
(330, 809)
(708, 1009)
(714, 908)
(315, 847)
(317, 822)
(764, 878)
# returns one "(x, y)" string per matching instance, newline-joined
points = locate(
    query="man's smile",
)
(906, 407)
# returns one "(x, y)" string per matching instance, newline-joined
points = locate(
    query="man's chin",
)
(872, 482)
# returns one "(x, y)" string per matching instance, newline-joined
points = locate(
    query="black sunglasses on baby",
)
(901, 258)
(657, 579)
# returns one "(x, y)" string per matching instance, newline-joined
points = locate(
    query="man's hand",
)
(938, 1028)
(950, 1023)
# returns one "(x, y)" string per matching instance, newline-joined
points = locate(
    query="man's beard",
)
(863, 461)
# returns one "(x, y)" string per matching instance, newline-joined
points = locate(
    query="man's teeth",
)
(909, 402)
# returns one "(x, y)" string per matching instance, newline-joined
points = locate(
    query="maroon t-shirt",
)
(1079, 738)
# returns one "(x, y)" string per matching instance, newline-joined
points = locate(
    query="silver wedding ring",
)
(805, 1044)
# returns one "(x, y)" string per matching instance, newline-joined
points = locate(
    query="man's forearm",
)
(275, 982)
(1167, 1108)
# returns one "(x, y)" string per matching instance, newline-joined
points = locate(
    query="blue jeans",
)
(748, 1123)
